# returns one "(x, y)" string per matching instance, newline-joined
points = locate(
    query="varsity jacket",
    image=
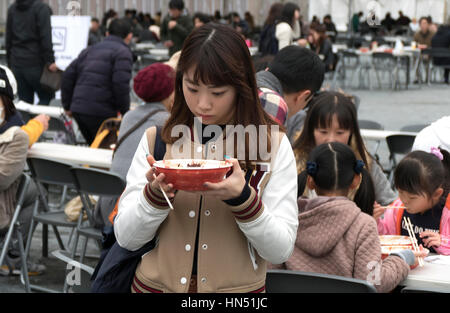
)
(234, 242)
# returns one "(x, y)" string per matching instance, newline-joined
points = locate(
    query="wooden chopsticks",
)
(393, 207)
(413, 238)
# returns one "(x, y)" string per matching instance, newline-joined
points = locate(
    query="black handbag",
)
(115, 271)
(51, 81)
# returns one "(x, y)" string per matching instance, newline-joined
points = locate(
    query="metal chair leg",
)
(24, 272)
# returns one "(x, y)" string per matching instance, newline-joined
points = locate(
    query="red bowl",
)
(388, 249)
(190, 175)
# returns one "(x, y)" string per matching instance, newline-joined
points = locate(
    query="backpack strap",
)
(446, 206)
(399, 220)
(136, 126)
(160, 146)
(156, 145)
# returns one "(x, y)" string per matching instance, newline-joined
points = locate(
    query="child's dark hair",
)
(298, 69)
(333, 167)
(322, 109)
(421, 173)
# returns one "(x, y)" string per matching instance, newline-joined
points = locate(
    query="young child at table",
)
(423, 182)
(221, 239)
(332, 117)
(334, 236)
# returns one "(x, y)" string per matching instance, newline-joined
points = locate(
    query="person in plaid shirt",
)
(288, 84)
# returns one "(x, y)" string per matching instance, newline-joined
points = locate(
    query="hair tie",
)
(359, 166)
(311, 168)
(437, 153)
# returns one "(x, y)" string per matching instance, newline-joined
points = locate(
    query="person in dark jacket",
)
(96, 85)
(29, 47)
(442, 40)
(268, 43)
(175, 27)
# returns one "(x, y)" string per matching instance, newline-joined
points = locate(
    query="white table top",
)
(40, 109)
(432, 275)
(407, 51)
(76, 155)
(372, 134)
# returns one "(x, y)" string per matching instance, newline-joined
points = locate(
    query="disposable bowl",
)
(191, 174)
(391, 243)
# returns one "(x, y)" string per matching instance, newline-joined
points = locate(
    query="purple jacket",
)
(98, 82)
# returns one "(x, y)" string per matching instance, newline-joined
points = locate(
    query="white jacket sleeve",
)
(283, 33)
(273, 233)
(137, 221)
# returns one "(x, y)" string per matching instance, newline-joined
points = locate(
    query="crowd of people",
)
(317, 204)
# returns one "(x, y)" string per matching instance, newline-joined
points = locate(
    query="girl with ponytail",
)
(423, 182)
(334, 236)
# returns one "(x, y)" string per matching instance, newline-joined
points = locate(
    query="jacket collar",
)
(8, 135)
(266, 79)
(116, 39)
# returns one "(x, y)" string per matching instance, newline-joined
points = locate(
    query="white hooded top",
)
(435, 135)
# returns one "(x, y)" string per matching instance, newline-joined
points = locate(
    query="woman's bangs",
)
(209, 70)
(344, 118)
(326, 114)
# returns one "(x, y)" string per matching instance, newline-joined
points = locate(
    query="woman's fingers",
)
(150, 159)
(150, 175)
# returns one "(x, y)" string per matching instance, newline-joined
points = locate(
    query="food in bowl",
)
(191, 174)
(394, 240)
(391, 243)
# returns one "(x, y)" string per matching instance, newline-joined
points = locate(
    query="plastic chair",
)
(14, 230)
(398, 145)
(386, 63)
(56, 173)
(367, 124)
(284, 281)
(348, 62)
(435, 54)
(414, 128)
(57, 131)
(93, 182)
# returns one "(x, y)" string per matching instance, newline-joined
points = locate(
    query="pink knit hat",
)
(154, 83)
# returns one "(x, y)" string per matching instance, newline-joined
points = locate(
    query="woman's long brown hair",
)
(220, 57)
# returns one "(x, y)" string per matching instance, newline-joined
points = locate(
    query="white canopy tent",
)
(342, 10)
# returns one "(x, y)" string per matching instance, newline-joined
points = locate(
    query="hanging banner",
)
(70, 36)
